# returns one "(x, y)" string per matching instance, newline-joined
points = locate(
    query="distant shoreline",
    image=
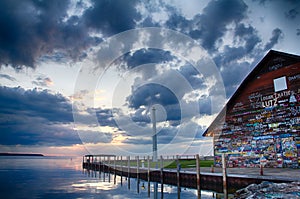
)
(21, 154)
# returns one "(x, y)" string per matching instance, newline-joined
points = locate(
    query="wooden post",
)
(108, 167)
(99, 165)
(115, 170)
(121, 171)
(224, 172)
(178, 176)
(161, 177)
(148, 161)
(261, 169)
(83, 164)
(198, 176)
(128, 171)
(103, 168)
(137, 174)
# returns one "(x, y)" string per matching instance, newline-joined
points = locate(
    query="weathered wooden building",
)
(261, 121)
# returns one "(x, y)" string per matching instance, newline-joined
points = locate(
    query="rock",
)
(270, 190)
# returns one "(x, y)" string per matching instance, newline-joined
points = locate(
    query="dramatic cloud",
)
(41, 30)
(276, 35)
(35, 117)
(112, 16)
(35, 102)
(211, 25)
(36, 29)
(152, 94)
(44, 35)
(292, 14)
(145, 56)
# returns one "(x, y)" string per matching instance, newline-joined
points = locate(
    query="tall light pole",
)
(154, 138)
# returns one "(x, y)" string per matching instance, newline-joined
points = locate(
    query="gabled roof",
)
(268, 61)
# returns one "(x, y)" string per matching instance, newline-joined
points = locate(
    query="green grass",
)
(169, 164)
(190, 164)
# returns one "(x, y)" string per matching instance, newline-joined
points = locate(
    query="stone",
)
(270, 190)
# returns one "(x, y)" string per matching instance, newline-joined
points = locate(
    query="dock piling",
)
(115, 175)
(178, 176)
(161, 177)
(198, 176)
(108, 169)
(128, 171)
(121, 170)
(103, 168)
(148, 176)
(224, 173)
(137, 174)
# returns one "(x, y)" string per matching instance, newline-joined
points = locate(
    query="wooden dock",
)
(204, 179)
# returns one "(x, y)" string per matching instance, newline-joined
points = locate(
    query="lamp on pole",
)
(154, 138)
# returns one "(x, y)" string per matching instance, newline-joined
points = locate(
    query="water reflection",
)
(140, 189)
(63, 177)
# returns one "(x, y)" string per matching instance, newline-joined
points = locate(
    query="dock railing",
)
(143, 167)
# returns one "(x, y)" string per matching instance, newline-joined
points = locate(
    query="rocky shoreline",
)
(270, 190)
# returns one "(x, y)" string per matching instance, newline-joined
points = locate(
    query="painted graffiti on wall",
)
(263, 123)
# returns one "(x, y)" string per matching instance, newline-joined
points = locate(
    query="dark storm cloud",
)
(145, 56)
(234, 72)
(292, 14)
(52, 107)
(180, 23)
(105, 117)
(33, 30)
(150, 94)
(190, 74)
(111, 16)
(5, 76)
(211, 25)
(276, 35)
(35, 117)
(249, 36)
(35, 131)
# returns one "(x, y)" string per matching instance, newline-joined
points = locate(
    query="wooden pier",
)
(217, 179)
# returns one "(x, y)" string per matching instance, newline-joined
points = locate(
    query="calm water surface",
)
(63, 177)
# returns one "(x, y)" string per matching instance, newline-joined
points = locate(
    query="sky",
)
(82, 77)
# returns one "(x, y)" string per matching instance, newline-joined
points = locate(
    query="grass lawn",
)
(190, 164)
(170, 164)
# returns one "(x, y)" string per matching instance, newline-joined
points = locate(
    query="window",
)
(280, 84)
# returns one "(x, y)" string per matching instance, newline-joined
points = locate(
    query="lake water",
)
(63, 177)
